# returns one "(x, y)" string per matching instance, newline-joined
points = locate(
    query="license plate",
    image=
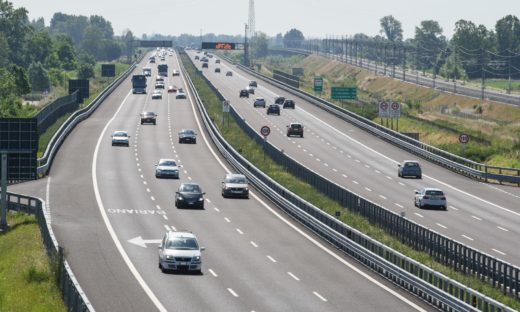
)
(183, 263)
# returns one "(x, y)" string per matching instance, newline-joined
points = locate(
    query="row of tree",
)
(473, 51)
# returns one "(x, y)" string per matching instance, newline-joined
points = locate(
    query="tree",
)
(85, 71)
(259, 45)
(429, 43)
(4, 50)
(38, 24)
(104, 26)
(64, 49)
(73, 26)
(21, 80)
(128, 40)
(392, 28)
(508, 33)
(39, 45)
(279, 40)
(293, 38)
(14, 24)
(38, 77)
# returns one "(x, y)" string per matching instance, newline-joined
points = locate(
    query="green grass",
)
(253, 152)
(47, 135)
(27, 275)
(502, 84)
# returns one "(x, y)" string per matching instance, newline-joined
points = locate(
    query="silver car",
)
(430, 197)
(235, 185)
(167, 168)
(180, 251)
(259, 102)
(120, 138)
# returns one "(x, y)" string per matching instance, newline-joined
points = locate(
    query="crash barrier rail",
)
(415, 277)
(48, 115)
(450, 161)
(396, 71)
(73, 296)
(446, 250)
(45, 162)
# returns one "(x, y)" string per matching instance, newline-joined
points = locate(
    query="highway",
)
(480, 215)
(109, 211)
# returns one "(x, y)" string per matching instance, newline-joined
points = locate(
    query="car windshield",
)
(411, 164)
(296, 126)
(187, 132)
(120, 134)
(434, 192)
(182, 243)
(148, 114)
(167, 163)
(236, 180)
(190, 188)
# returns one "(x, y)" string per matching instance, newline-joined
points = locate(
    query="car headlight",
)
(180, 197)
(201, 198)
(246, 188)
(159, 170)
(169, 257)
(196, 258)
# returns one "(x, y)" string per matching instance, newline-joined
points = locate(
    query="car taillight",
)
(426, 197)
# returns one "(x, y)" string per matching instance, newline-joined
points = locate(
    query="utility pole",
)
(246, 49)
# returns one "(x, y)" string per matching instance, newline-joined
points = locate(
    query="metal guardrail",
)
(72, 294)
(45, 162)
(453, 162)
(431, 286)
(450, 161)
(48, 115)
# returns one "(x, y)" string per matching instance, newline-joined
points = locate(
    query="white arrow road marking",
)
(139, 241)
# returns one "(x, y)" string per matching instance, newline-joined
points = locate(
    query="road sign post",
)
(318, 84)
(225, 110)
(265, 131)
(463, 139)
(395, 112)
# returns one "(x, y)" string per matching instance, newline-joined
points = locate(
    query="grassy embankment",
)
(253, 152)
(27, 275)
(437, 116)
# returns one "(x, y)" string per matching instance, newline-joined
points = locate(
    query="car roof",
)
(235, 175)
(121, 131)
(410, 161)
(189, 183)
(166, 159)
(146, 113)
(259, 98)
(295, 123)
(432, 189)
(174, 234)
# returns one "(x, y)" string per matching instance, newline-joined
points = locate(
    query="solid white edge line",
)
(312, 240)
(213, 273)
(108, 225)
(232, 292)
(293, 276)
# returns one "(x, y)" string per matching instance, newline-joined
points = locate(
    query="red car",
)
(172, 89)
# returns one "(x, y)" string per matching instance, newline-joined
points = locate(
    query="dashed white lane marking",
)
(334, 169)
(216, 209)
(227, 219)
(383, 197)
(148, 190)
(467, 237)
(271, 258)
(240, 232)
(254, 244)
(189, 178)
(326, 165)
(357, 160)
(152, 198)
(139, 169)
(165, 217)
(503, 229)
(319, 296)
(355, 182)
(454, 208)
(389, 177)
(442, 226)
(367, 166)
(208, 200)
(498, 251)
(167, 227)
(344, 175)
(418, 214)
(399, 205)
(173, 227)
(232, 292)
(476, 218)
(368, 189)
(213, 273)
(158, 207)
(293, 276)
(142, 176)
(144, 182)
(401, 183)
(377, 171)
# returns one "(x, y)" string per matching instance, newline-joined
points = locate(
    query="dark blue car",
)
(409, 168)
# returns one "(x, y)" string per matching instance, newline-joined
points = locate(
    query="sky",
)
(316, 19)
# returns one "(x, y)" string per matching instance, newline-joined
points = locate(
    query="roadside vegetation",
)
(253, 152)
(28, 278)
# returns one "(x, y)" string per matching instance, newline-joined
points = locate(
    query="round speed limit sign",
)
(265, 131)
(463, 138)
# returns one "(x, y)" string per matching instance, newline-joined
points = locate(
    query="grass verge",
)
(27, 275)
(253, 152)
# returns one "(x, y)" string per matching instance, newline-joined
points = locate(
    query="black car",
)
(189, 195)
(148, 117)
(244, 93)
(217, 70)
(273, 109)
(295, 129)
(279, 100)
(187, 136)
(196, 57)
(204, 65)
(289, 104)
(217, 61)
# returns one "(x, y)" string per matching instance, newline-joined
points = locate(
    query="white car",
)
(167, 168)
(180, 94)
(235, 185)
(157, 94)
(430, 197)
(180, 251)
(120, 138)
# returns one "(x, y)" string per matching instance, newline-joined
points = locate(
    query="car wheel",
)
(177, 204)
(301, 136)
(154, 123)
(398, 174)
(194, 141)
(415, 203)
(419, 177)
(180, 141)
(421, 205)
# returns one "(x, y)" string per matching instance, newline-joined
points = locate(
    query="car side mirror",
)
(156, 165)
(202, 248)
(416, 192)
(177, 192)
(159, 247)
(203, 193)
(398, 165)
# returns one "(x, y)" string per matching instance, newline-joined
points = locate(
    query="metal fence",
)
(72, 294)
(286, 78)
(48, 115)
(450, 161)
(417, 278)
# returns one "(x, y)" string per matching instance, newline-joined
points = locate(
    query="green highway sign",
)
(343, 93)
(318, 84)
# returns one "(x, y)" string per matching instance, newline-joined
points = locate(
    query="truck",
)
(163, 70)
(139, 84)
